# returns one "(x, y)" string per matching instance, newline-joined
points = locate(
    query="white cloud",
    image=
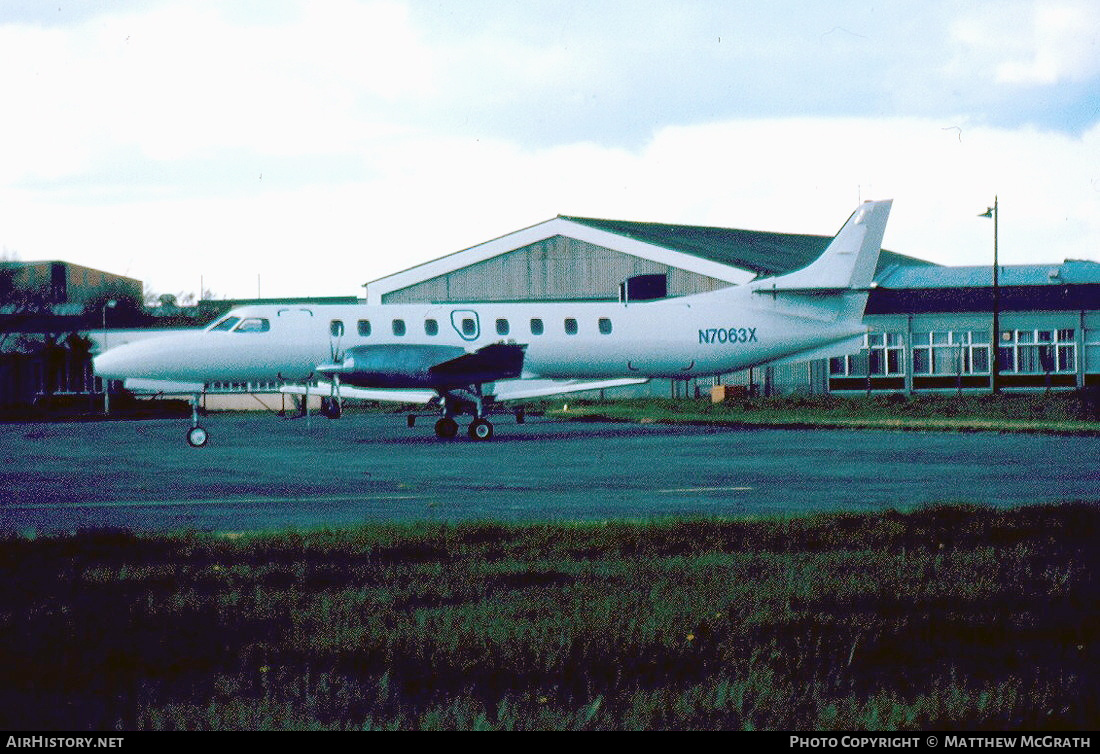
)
(178, 82)
(1028, 43)
(387, 133)
(430, 197)
(1063, 46)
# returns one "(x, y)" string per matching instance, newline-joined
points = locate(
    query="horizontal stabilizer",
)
(774, 290)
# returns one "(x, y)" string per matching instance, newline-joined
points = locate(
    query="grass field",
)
(1064, 412)
(945, 617)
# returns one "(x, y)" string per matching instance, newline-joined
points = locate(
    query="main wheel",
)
(446, 428)
(481, 430)
(197, 437)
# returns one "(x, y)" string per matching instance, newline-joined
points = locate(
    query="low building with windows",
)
(931, 330)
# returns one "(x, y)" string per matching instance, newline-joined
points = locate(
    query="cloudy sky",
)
(324, 144)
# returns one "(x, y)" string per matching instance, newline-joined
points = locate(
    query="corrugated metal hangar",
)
(930, 325)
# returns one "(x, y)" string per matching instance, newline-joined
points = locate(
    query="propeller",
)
(336, 406)
(332, 369)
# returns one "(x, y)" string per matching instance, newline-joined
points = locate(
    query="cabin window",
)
(431, 327)
(254, 324)
(469, 327)
(502, 327)
(364, 327)
(536, 326)
(570, 326)
(605, 326)
(336, 328)
(399, 327)
(226, 324)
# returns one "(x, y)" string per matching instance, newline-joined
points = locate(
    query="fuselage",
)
(704, 334)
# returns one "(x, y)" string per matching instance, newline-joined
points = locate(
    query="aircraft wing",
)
(385, 395)
(504, 390)
(514, 390)
(161, 387)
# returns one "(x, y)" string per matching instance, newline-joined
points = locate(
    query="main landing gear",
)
(455, 403)
(447, 429)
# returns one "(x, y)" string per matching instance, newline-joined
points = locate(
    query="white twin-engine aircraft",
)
(461, 358)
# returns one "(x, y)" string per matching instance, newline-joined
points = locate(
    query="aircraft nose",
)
(132, 359)
(112, 364)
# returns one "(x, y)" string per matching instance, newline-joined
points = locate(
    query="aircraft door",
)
(466, 323)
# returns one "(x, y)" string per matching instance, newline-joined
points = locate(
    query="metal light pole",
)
(107, 383)
(994, 381)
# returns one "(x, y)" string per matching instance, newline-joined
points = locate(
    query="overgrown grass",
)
(945, 617)
(1055, 412)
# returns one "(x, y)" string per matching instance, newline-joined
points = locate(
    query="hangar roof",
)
(726, 254)
(764, 253)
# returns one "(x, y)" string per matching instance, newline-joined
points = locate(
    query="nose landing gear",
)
(196, 436)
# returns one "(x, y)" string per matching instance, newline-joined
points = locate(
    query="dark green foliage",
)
(1074, 411)
(944, 617)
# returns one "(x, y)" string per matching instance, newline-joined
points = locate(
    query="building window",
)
(364, 327)
(502, 327)
(570, 326)
(1038, 351)
(469, 327)
(399, 327)
(431, 327)
(605, 326)
(336, 328)
(951, 352)
(536, 326)
(882, 355)
(1092, 351)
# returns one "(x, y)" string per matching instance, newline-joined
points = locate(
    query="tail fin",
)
(838, 281)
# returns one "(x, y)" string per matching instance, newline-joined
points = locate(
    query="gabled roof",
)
(762, 252)
(727, 254)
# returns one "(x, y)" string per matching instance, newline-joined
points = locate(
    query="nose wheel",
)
(196, 436)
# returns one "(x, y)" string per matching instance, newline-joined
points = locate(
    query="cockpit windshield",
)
(253, 324)
(225, 324)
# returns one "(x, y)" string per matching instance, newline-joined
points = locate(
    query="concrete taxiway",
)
(260, 472)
